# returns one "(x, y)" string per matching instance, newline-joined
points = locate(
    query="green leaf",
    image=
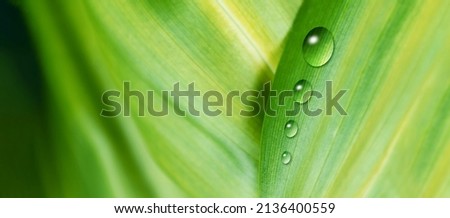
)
(89, 47)
(392, 58)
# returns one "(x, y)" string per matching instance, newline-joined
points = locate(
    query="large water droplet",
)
(286, 158)
(290, 128)
(318, 46)
(302, 91)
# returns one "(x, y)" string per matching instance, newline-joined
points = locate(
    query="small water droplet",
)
(318, 46)
(286, 158)
(302, 91)
(290, 128)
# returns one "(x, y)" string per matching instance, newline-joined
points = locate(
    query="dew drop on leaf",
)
(318, 46)
(290, 128)
(302, 91)
(286, 158)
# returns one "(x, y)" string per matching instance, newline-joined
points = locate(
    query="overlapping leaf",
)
(392, 58)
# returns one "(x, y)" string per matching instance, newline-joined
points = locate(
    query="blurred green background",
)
(57, 59)
(23, 132)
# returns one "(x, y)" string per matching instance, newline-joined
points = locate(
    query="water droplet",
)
(290, 128)
(302, 91)
(286, 158)
(318, 46)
